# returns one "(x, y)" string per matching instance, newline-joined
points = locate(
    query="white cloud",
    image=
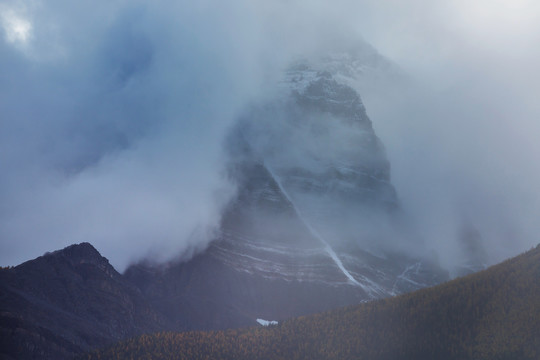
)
(18, 30)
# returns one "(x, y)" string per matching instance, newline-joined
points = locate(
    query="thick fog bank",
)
(112, 116)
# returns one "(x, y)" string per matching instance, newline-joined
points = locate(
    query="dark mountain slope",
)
(66, 302)
(494, 314)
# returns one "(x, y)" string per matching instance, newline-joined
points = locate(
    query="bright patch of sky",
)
(17, 29)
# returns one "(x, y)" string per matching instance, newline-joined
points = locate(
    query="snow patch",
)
(267, 322)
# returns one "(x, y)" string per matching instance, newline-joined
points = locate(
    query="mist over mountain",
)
(245, 160)
(113, 116)
(319, 144)
(315, 224)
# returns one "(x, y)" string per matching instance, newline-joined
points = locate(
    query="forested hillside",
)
(494, 314)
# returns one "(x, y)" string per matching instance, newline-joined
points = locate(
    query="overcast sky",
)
(112, 114)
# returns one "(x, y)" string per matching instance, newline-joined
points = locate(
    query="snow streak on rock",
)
(314, 232)
(267, 322)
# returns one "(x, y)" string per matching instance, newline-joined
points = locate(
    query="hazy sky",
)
(112, 114)
(464, 142)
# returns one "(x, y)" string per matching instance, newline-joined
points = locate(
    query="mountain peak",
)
(83, 253)
(66, 302)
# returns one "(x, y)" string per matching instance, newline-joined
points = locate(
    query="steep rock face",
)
(316, 223)
(69, 301)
